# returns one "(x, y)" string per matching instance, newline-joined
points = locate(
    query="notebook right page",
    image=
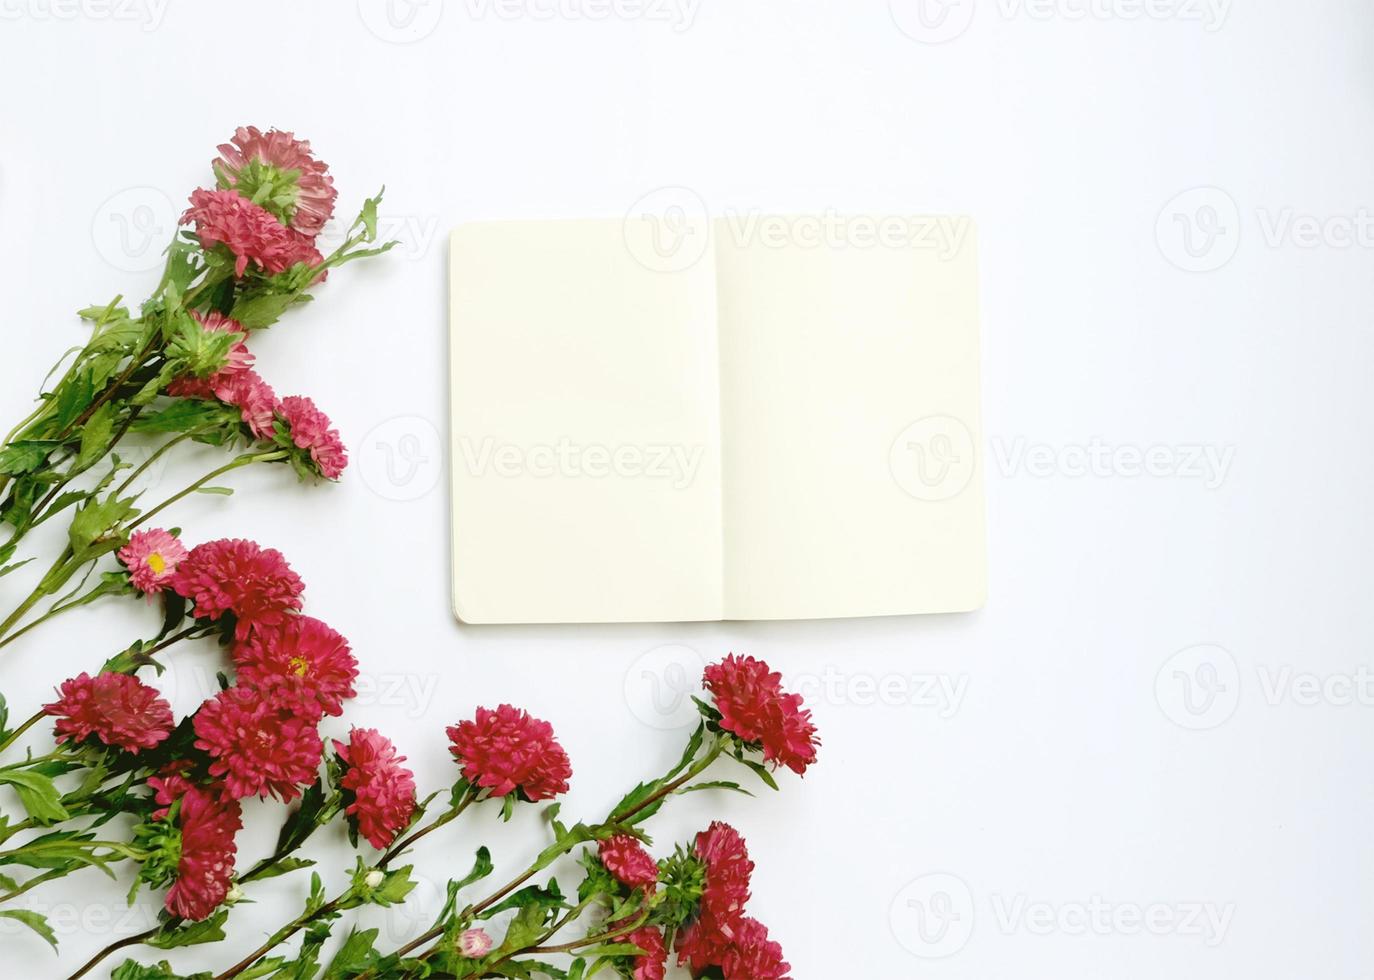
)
(852, 467)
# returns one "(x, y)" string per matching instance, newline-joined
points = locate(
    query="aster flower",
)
(118, 709)
(238, 360)
(628, 862)
(728, 871)
(250, 232)
(753, 706)
(474, 943)
(205, 869)
(752, 955)
(239, 577)
(169, 785)
(383, 790)
(303, 658)
(152, 556)
(279, 172)
(508, 751)
(651, 965)
(310, 430)
(258, 743)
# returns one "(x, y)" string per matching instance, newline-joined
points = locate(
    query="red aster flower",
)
(169, 785)
(118, 709)
(249, 231)
(383, 790)
(728, 870)
(259, 744)
(152, 556)
(651, 965)
(754, 706)
(279, 170)
(240, 359)
(702, 944)
(628, 862)
(752, 955)
(205, 869)
(231, 575)
(310, 430)
(303, 658)
(506, 751)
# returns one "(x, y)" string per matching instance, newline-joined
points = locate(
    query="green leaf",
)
(95, 435)
(217, 491)
(38, 794)
(185, 414)
(283, 866)
(25, 456)
(210, 930)
(34, 921)
(264, 309)
(92, 522)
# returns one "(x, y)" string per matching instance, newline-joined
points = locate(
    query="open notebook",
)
(786, 428)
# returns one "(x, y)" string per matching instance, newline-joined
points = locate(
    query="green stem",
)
(245, 460)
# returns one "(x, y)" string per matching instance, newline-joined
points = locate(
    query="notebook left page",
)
(585, 451)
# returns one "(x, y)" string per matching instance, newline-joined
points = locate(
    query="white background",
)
(1075, 766)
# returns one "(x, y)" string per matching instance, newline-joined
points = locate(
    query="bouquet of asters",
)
(120, 784)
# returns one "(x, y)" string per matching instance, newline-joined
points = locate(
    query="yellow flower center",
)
(157, 563)
(298, 666)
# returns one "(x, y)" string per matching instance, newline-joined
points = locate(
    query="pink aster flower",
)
(474, 943)
(249, 231)
(728, 871)
(752, 955)
(205, 869)
(284, 169)
(234, 576)
(169, 785)
(628, 862)
(305, 659)
(754, 706)
(239, 359)
(508, 751)
(310, 429)
(259, 745)
(118, 709)
(152, 557)
(383, 790)
(651, 965)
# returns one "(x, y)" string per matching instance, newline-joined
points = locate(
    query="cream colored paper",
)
(785, 428)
